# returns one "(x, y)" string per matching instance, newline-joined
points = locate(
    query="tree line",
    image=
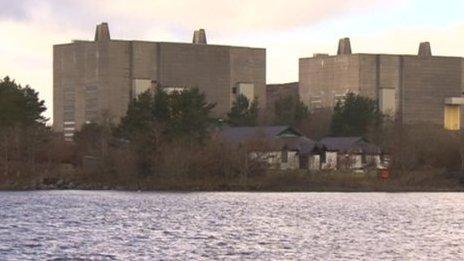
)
(23, 133)
(172, 134)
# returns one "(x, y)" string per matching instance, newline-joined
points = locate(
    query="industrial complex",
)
(92, 78)
(100, 77)
(413, 88)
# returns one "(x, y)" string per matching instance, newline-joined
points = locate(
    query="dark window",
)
(323, 157)
(234, 90)
(91, 103)
(284, 156)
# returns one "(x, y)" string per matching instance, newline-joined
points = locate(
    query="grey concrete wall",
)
(326, 77)
(202, 66)
(427, 81)
(115, 79)
(369, 75)
(421, 83)
(103, 64)
(58, 71)
(75, 66)
(112, 65)
(144, 60)
(462, 75)
(215, 70)
(275, 92)
(390, 78)
(248, 65)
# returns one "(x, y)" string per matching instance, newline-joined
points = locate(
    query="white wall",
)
(330, 161)
(387, 103)
(293, 161)
(314, 162)
(274, 158)
(140, 86)
(247, 90)
(373, 161)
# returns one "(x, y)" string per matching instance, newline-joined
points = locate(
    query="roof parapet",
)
(425, 49)
(199, 37)
(102, 33)
(320, 55)
(344, 46)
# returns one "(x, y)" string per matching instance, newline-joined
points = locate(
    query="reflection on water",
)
(325, 226)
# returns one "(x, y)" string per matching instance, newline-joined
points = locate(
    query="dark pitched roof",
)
(280, 136)
(301, 144)
(349, 144)
(239, 134)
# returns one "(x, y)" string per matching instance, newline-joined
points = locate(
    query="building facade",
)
(95, 79)
(275, 92)
(280, 147)
(411, 87)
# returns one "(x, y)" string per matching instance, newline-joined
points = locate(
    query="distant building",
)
(275, 92)
(282, 147)
(100, 77)
(353, 153)
(411, 87)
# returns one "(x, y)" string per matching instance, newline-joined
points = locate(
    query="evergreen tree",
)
(90, 139)
(177, 115)
(22, 126)
(20, 105)
(243, 113)
(189, 115)
(290, 111)
(159, 117)
(161, 109)
(355, 116)
(139, 117)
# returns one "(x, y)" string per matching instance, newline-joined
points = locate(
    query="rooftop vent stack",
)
(199, 37)
(344, 46)
(425, 49)
(102, 33)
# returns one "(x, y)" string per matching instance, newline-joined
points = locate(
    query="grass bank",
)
(285, 181)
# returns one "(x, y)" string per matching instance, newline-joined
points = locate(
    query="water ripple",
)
(85, 225)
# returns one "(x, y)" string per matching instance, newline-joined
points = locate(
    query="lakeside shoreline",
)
(422, 181)
(241, 191)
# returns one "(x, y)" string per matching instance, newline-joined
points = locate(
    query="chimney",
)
(102, 33)
(344, 46)
(199, 37)
(425, 49)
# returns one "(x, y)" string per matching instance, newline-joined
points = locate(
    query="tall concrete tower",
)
(102, 33)
(344, 46)
(425, 49)
(199, 37)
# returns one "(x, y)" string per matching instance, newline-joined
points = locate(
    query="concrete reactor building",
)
(415, 88)
(91, 78)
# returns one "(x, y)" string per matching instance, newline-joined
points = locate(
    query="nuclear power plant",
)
(413, 88)
(100, 77)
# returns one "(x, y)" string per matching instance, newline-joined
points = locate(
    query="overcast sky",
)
(289, 29)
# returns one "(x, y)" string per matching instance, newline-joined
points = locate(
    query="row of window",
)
(69, 107)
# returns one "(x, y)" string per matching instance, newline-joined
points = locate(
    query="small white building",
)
(353, 153)
(282, 147)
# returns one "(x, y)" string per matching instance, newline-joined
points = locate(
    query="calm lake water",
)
(198, 226)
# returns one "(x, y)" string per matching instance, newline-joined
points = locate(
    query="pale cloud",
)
(220, 16)
(283, 56)
(231, 16)
(445, 41)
